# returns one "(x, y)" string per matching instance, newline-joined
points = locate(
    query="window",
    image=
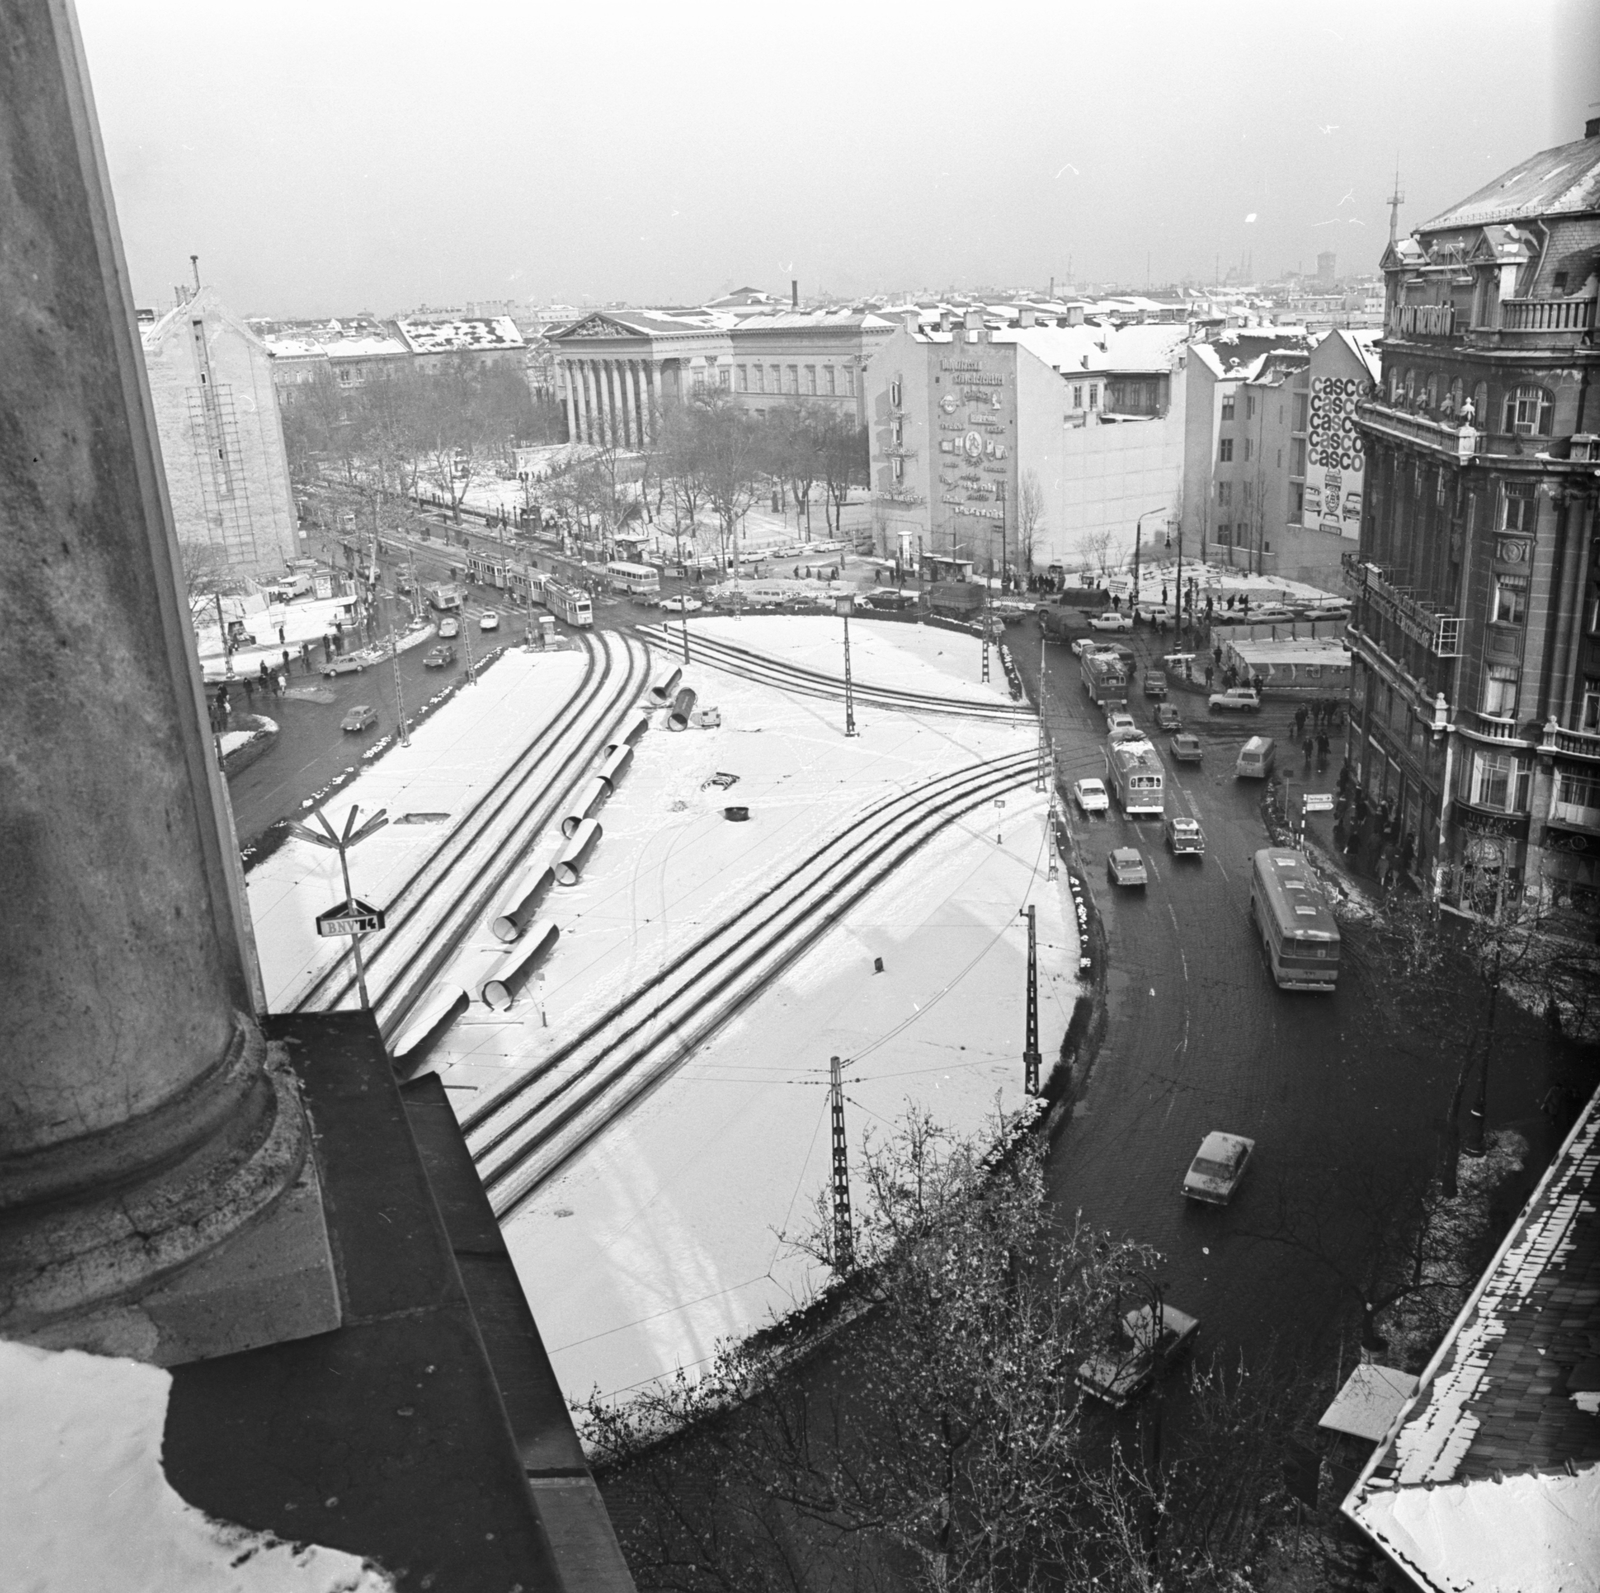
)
(1558, 283)
(724, 378)
(1577, 797)
(1297, 457)
(1249, 406)
(1394, 384)
(1432, 392)
(897, 432)
(811, 379)
(1249, 493)
(1480, 405)
(1077, 396)
(1300, 400)
(896, 393)
(1500, 691)
(761, 378)
(1094, 395)
(1225, 451)
(1227, 406)
(1411, 386)
(1510, 599)
(1490, 779)
(1297, 499)
(1438, 488)
(1225, 494)
(1225, 535)
(1247, 449)
(794, 380)
(744, 378)
(1590, 720)
(849, 379)
(899, 469)
(829, 375)
(1528, 411)
(1519, 507)
(776, 385)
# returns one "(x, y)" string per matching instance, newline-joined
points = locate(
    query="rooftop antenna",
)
(1396, 199)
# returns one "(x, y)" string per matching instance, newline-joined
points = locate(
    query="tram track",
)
(766, 670)
(490, 838)
(528, 1130)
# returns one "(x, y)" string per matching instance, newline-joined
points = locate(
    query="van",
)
(1257, 758)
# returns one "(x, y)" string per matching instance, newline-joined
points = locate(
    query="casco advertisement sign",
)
(1335, 463)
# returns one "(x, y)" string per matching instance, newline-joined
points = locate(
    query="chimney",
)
(1028, 317)
(912, 322)
(794, 293)
(944, 320)
(1591, 128)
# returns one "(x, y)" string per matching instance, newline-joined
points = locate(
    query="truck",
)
(1105, 680)
(1066, 614)
(444, 597)
(957, 599)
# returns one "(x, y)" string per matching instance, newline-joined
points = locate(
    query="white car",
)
(1111, 620)
(681, 605)
(489, 620)
(1119, 725)
(1218, 1168)
(1091, 797)
(1085, 644)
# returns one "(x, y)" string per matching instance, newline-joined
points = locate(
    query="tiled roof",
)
(1564, 181)
(1513, 1394)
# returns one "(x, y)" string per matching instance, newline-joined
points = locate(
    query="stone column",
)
(591, 389)
(615, 433)
(570, 396)
(635, 419)
(143, 1129)
(580, 378)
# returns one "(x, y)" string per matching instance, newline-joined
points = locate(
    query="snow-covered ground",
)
(659, 1236)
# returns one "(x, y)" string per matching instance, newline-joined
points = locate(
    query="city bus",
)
(567, 602)
(1105, 680)
(1135, 770)
(1298, 932)
(637, 580)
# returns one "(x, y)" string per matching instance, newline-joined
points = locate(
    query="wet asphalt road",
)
(1198, 1037)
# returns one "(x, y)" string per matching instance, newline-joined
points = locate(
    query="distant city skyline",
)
(322, 160)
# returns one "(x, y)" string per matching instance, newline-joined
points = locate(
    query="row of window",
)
(795, 379)
(1527, 410)
(1225, 450)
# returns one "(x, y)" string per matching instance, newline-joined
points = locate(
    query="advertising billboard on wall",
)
(974, 389)
(1335, 462)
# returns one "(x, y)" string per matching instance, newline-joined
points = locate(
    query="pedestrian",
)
(1322, 751)
(280, 633)
(305, 657)
(280, 683)
(286, 663)
(249, 694)
(327, 647)
(1216, 655)
(1306, 747)
(1299, 721)
(1210, 672)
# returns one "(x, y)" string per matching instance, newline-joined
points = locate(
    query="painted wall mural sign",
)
(1335, 460)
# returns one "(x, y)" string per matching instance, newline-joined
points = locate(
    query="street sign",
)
(350, 917)
(1318, 802)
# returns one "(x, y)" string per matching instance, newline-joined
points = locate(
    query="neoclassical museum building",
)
(620, 368)
(1476, 583)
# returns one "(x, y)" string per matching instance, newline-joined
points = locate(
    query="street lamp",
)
(843, 602)
(350, 918)
(1138, 529)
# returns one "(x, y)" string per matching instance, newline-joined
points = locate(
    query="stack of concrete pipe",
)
(520, 901)
(569, 865)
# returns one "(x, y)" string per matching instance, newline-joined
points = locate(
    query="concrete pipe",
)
(429, 1019)
(682, 707)
(635, 730)
(569, 866)
(520, 901)
(616, 762)
(663, 689)
(587, 801)
(510, 973)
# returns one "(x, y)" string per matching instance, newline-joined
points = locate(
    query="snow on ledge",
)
(86, 1508)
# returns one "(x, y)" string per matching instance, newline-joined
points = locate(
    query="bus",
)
(568, 602)
(1298, 932)
(1135, 770)
(444, 597)
(637, 580)
(1105, 680)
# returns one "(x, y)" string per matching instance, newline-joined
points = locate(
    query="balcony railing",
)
(1579, 814)
(1440, 437)
(1546, 315)
(1570, 743)
(1495, 727)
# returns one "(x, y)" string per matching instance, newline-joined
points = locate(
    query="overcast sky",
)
(326, 156)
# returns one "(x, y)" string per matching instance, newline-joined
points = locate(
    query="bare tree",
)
(1030, 519)
(732, 453)
(1096, 550)
(845, 464)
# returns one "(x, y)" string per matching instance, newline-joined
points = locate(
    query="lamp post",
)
(1138, 530)
(842, 604)
(355, 914)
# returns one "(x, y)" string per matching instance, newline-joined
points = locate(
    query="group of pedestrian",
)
(1371, 834)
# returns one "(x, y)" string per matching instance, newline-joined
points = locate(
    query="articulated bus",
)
(638, 580)
(1136, 772)
(1297, 930)
(569, 603)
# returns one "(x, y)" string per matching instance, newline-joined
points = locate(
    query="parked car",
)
(1126, 867)
(1186, 748)
(1155, 683)
(681, 604)
(1218, 1168)
(1154, 613)
(1235, 700)
(1168, 717)
(361, 717)
(343, 664)
(489, 620)
(1137, 1354)
(1111, 620)
(1271, 614)
(1091, 797)
(1185, 837)
(892, 598)
(449, 626)
(439, 657)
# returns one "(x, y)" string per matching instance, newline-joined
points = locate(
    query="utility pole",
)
(1041, 781)
(399, 687)
(1030, 1044)
(844, 1239)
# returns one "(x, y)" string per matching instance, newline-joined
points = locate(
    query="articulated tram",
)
(568, 603)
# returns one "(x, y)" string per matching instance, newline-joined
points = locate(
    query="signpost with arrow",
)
(351, 917)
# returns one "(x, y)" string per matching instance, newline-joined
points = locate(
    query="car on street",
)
(1154, 613)
(1137, 1355)
(1168, 717)
(1111, 620)
(1271, 614)
(1091, 797)
(1186, 748)
(343, 664)
(1235, 700)
(1185, 837)
(1120, 724)
(361, 717)
(1125, 866)
(681, 604)
(892, 598)
(489, 620)
(439, 657)
(448, 627)
(1218, 1167)
(1155, 683)
(1086, 644)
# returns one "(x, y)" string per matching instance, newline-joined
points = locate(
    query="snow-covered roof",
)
(475, 335)
(1100, 350)
(1490, 1477)
(1369, 1402)
(1363, 343)
(1564, 181)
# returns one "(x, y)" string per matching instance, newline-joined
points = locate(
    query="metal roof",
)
(1564, 181)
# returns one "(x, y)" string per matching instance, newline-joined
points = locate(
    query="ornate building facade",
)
(1476, 621)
